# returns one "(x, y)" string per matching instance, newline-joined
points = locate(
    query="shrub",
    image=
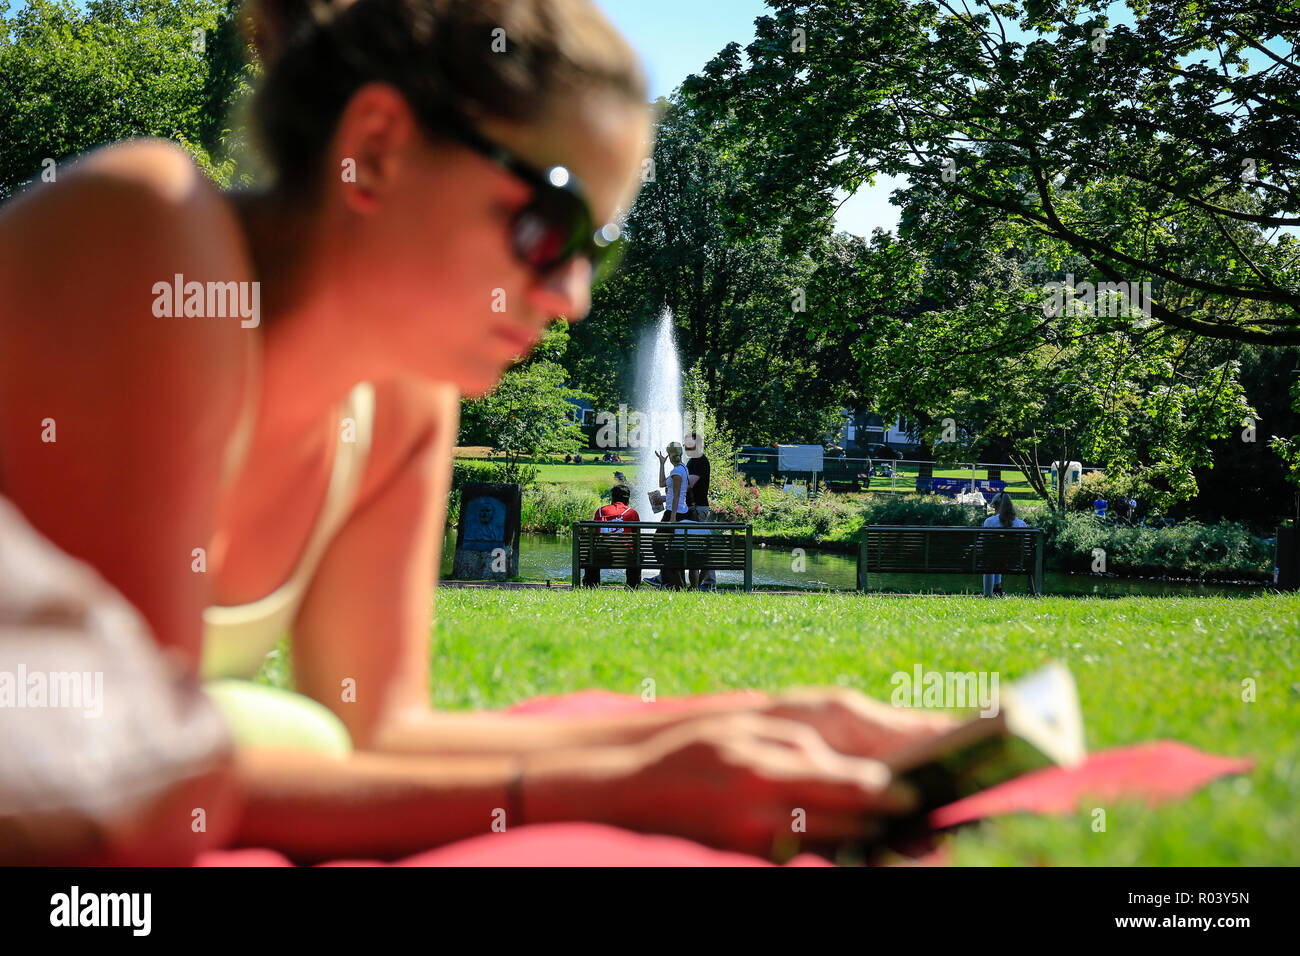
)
(467, 470)
(1191, 549)
(552, 509)
(462, 472)
(831, 517)
(731, 500)
(934, 510)
(1106, 485)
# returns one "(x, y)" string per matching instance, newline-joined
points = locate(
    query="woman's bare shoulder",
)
(132, 211)
(141, 170)
(82, 260)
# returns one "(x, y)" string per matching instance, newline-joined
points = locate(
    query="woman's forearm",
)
(426, 731)
(314, 807)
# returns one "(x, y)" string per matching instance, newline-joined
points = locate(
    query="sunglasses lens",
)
(550, 229)
(555, 227)
(540, 240)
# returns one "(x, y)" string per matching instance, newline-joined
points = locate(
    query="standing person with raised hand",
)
(239, 480)
(676, 484)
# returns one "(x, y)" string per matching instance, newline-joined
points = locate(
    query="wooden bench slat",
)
(914, 549)
(652, 544)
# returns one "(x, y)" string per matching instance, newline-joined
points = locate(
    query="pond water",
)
(545, 556)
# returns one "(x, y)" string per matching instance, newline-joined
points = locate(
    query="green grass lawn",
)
(1017, 483)
(1148, 669)
(594, 475)
(598, 476)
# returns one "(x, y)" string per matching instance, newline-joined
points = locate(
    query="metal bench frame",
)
(722, 549)
(987, 552)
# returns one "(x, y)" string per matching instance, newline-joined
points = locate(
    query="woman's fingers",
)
(790, 761)
(806, 794)
(854, 724)
(744, 780)
(795, 758)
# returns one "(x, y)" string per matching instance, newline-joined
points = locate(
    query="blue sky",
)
(677, 37)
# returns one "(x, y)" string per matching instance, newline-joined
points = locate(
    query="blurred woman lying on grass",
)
(435, 204)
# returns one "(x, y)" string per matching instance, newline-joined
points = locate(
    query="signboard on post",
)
(799, 458)
(487, 537)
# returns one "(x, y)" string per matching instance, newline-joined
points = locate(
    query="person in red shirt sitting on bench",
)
(616, 510)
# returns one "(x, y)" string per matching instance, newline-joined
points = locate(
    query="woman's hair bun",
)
(441, 55)
(271, 23)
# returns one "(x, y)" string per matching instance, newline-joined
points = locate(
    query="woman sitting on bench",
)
(1005, 518)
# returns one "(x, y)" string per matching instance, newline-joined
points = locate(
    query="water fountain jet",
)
(658, 397)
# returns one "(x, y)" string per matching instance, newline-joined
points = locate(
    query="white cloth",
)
(993, 521)
(694, 529)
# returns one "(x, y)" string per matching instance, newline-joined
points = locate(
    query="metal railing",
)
(900, 472)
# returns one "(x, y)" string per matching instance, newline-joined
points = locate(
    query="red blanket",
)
(1152, 772)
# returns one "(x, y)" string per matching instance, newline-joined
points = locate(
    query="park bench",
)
(707, 546)
(916, 549)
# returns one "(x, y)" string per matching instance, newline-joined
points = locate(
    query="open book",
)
(1038, 722)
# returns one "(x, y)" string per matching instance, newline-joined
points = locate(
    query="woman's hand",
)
(856, 725)
(741, 781)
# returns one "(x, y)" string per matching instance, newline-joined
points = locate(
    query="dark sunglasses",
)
(556, 224)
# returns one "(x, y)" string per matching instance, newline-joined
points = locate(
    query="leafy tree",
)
(72, 79)
(742, 302)
(528, 414)
(719, 443)
(955, 332)
(1160, 150)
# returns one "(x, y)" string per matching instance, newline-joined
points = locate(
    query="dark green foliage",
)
(1226, 550)
(768, 371)
(72, 79)
(1178, 131)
